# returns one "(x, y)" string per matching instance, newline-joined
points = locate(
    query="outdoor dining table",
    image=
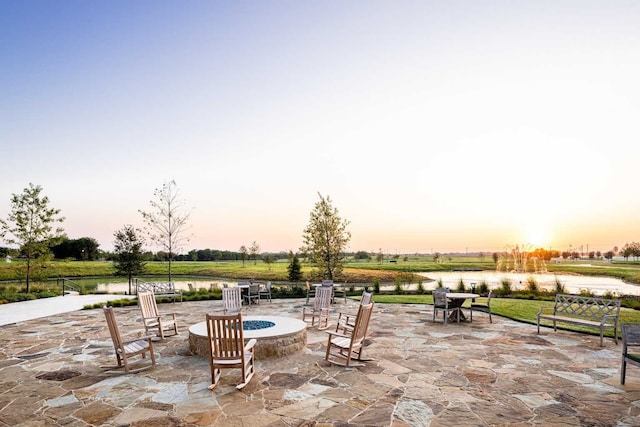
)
(244, 289)
(457, 299)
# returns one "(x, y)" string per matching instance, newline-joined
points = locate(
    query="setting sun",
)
(537, 237)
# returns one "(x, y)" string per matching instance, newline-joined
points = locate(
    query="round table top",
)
(283, 326)
(461, 295)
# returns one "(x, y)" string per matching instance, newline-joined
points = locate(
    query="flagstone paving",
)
(424, 374)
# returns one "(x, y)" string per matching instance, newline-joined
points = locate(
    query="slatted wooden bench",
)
(595, 312)
(160, 289)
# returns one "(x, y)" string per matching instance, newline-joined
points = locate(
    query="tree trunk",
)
(28, 271)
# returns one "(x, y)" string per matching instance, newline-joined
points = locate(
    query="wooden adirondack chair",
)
(232, 300)
(126, 350)
(153, 320)
(227, 348)
(346, 350)
(321, 307)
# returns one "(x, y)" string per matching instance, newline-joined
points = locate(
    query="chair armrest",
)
(250, 344)
(157, 318)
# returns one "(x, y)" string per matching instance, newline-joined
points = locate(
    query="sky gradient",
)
(432, 126)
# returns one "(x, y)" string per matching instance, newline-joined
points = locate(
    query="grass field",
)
(401, 271)
(354, 272)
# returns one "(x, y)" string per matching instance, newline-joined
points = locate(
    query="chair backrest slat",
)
(232, 299)
(322, 299)
(226, 339)
(366, 297)
(147, 303)
(113, 328)
(362, 323)
(440, 297)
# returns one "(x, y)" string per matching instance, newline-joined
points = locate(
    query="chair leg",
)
(623, 370)
(215, 376)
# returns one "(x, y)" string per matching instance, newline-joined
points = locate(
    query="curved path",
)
(33, 309)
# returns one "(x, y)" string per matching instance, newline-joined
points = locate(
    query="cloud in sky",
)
(433, 126)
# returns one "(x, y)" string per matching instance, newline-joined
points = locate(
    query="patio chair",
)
(630, 338)
(266, 292)
(346, 350)
(129, 349)
(311, 292)
(441, 303)
(153, 320)
(481, 307)
(340, 290)
(346, 320)
(227, 349)
(321, 308)
(232, 300)
(253, 295)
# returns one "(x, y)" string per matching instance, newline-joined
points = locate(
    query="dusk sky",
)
(431, 125)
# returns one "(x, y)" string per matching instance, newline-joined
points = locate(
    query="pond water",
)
(573, 284)
(598, 285)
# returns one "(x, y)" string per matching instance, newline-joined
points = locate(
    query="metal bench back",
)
(589, 307)
(157, 287)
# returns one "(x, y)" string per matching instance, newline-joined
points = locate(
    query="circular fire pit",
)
(276, 336)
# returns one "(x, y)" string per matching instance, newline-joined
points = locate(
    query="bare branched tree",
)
(167, 220)
(254, 251)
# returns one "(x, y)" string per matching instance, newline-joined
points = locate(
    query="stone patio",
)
(424, 374)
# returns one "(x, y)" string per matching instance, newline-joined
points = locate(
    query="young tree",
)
(268, 259)
(30, 225)
(326, 238)
(294, 268)
(129, 258)
(167, 219)
(254, 250)
(243, 254)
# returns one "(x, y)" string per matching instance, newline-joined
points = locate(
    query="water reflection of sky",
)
(573, 284)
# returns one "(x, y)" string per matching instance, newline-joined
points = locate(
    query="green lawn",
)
(522, 310)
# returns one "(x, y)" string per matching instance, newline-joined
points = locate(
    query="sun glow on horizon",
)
(538, 237)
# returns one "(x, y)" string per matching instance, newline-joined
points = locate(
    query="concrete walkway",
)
(424, 373)
(44, 307)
